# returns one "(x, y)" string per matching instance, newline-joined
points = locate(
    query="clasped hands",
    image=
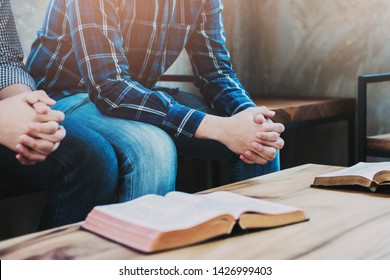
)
(32, 129)
(268, 140)
(249, 133)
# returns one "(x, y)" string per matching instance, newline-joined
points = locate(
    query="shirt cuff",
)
(10, 76)
(182, 121)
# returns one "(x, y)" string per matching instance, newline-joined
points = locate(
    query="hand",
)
(32, 150)
(29, 126)
(267, 144)
(51, 131)
(238, 132)
(44, 138)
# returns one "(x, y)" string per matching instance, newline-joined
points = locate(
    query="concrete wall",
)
(28, 17)
(294, 47)
(312, 47)
(315, 48)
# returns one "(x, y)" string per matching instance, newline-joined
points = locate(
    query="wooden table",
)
(343, 225)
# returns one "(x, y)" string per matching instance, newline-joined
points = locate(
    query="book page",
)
(159, 213)
(231, 203)
(362, 169)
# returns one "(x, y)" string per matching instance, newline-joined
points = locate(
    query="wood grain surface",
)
(343, 225)
(379, 142)
(299, 109)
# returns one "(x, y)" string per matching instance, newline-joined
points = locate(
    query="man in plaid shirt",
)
(102, 59)
(76, 174)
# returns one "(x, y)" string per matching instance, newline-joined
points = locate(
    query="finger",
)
(34, 145)
(276, 127)
(39, 95)
(36, 128)
(55, 146)
(24, 161)
(279, 144)
(271, 136)
(50, 131)
(29, 154)
(246, 160)
(57, 137)
(256, 158)
(41, 107)
(266, 152)
(266, 112)
(272, 140)
(52, 115)
(260, 119)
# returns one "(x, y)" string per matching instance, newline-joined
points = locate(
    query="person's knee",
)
(165, 147)
(158, 152)
(84, 147)
(148, 163)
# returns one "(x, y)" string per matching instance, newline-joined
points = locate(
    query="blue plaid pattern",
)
(117, 51)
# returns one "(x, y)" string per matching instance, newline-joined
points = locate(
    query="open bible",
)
(370, 175)
(154, 223)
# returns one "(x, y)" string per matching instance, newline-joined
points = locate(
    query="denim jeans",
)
(81, 173)
(146, 154)
(208, 149)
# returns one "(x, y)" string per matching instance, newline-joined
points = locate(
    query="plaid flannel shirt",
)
(12, 69)
(116, 50)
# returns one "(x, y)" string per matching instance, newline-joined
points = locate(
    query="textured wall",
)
(294, 47)
(311, 47)
(28, 17)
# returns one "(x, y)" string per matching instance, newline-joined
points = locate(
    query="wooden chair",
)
(375, 145)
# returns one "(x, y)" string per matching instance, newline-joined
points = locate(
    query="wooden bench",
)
(380, 143)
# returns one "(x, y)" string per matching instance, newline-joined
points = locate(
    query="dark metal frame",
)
(363, 81)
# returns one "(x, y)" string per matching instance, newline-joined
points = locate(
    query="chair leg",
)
(361, 119)
(351, 141)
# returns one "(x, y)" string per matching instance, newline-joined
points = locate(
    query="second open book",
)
(154, 223)
(371, 175)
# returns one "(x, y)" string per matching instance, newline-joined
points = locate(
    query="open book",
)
(154, 223)
(366, 174)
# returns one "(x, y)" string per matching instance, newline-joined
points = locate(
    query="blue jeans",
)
(208, 149)
(146, 154)
(81, 173)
